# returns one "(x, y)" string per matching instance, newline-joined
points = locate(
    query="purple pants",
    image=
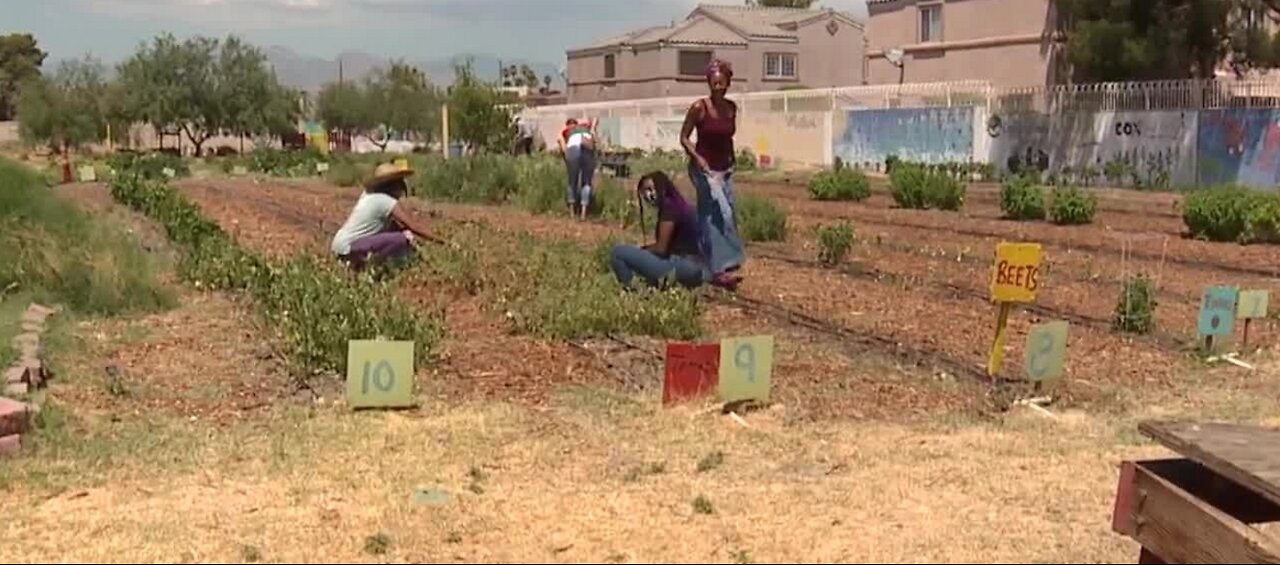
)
(377, 248)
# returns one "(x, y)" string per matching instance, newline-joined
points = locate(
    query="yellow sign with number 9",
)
(746, 368)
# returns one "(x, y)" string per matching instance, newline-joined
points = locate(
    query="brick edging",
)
(26, 375)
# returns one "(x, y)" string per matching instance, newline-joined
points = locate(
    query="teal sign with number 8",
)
(380, 374)
(1045, 355)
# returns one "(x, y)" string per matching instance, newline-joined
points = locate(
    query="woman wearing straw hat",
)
(379, 229)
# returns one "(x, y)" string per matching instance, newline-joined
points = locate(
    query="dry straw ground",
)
(194, 447)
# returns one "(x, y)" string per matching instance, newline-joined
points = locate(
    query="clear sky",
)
(538, 30)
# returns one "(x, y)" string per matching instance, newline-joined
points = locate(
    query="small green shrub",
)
(1135, 312)
(915, 186)
(745, 160)
(841, 184)
(1022, 199)
(834, 243)
(759, 219)
(907, 184)
(1072, 206)
(945, 192)
(702, 505)
(1232, 213)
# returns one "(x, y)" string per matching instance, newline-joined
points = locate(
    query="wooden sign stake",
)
(997, 347)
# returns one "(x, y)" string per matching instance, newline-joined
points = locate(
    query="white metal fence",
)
(1101, 97)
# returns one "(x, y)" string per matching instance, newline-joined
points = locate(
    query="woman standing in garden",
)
(379, 229)
(711, 159)
(676, 251)
(577, 142)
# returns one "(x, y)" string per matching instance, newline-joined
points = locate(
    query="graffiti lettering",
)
(802, 121)
(1127, 128)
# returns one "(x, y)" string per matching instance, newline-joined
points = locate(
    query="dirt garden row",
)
(912, 304)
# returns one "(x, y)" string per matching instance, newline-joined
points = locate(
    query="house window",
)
(694, 63)
(931, 23)
(610, 67)
(780, 66)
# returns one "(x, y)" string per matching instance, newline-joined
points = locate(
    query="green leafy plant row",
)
(917, 187)
(1022, 198)
(556, 289)
(315, 306)
(1233, 213)
(840, 184)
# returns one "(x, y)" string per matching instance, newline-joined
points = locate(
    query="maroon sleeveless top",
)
(715, 136)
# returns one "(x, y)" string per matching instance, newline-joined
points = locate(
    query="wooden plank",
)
(1247, 455)
(1173, 524)
(1215, 490)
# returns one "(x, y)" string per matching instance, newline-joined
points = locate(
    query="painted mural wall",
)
(1177, 148)
(929, 135)
(796, 137)
(1154, 145)
(1240, 146)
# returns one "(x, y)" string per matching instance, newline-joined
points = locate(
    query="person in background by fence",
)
(379, 229)
(711, 160)
(577, 141)
(676, 251)
(525, 130)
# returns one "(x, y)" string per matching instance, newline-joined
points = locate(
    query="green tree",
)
(1122, 40)
(20, 61)
(245, 89)
(69, 109)
(342, 106)
(153, 84)
(401, 99)
(479, 113)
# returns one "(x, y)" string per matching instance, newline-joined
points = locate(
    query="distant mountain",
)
(311, 73)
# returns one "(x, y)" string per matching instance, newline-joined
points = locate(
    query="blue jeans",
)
(721, 244)
(627, 261)
(580, 164)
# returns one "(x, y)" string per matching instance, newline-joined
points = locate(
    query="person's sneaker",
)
(728, 281)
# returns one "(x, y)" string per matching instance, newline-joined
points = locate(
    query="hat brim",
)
(386, 178)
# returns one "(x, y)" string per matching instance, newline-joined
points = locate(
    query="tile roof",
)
(717, 24)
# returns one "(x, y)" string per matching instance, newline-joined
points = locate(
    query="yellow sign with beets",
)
(1016, 274)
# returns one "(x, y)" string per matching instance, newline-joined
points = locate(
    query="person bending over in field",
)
(675, 253)
(379, 229)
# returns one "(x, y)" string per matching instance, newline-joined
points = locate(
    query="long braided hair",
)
(665, 197)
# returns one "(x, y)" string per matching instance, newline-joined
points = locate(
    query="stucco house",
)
(1008, 43)
(769, 48)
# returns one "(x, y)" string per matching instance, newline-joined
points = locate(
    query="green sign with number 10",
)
(380, 374)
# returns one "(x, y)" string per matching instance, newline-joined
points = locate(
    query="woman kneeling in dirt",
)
(379, 229)
(676, 253)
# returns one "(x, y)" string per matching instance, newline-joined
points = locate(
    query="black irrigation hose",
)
(857, 342)
(1163, 340)
(1132, 253)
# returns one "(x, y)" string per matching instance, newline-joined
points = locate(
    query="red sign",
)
(693, 370)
